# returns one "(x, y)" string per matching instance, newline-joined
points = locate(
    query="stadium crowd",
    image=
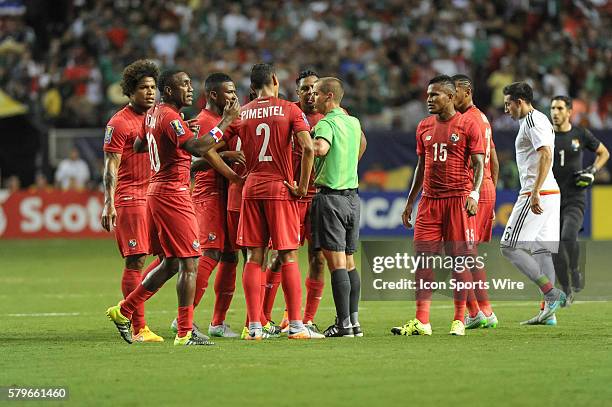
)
(64, 58)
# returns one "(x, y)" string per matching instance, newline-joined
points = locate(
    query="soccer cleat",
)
(312, 326)
(555, 300)
(244, 333)
(569, 299)
(491, 321)
(284, 325)
(357, 331)
(457, 328)
(194, 328)
(480, 320)
(122, 323)
(221, 331)
(189, 339)
(336, 331)
(271, 331)
(146, 335)
(254, 334)
(412, 327)
(305, 333)
(550, 321)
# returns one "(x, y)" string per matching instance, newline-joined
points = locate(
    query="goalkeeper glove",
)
(585, 177)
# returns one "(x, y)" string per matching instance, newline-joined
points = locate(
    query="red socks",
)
(423, 296)
(481, 293)
(225, 285)
(292, 288)
(460, 296)
(185, 320)
(135, 299)
(206, 265)
(273, 280)
(130, 280)
(251, 283)
(314, 292)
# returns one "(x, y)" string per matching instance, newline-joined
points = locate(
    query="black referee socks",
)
(341, 289)
(354, 297)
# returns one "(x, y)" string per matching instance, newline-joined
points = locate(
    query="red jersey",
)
(313, 118)
(447, 147)
(487, 189)
(135, 169)
(266, 128)
(234, 190)
(209, 182)
(166, 132)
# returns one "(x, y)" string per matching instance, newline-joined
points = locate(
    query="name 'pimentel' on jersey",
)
(446, 148)
(265, 128)
(535, 131)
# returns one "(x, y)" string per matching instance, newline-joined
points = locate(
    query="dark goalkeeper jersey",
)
(569, 148)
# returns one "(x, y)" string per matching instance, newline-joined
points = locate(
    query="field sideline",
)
(54, 333)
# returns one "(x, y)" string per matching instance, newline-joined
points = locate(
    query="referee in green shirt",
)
(339, 144)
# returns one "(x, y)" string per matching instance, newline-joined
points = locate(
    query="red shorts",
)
(233, 217)
(484, 221)
(444, 220)
(304, 207)
(173, 228)
(211, 215)
(264, 220)
(131, 231)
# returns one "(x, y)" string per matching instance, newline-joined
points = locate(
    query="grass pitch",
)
(54, 332)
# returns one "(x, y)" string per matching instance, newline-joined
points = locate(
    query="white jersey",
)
(535, 132)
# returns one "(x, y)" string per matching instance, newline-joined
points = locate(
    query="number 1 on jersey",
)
(263, 127)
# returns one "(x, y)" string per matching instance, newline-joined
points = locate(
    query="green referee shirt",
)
(338, 168)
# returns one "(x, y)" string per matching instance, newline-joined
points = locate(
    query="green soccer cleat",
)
(491, 321)
(271, 331)
(412, 327)
(245, 333)
(457, 328)
(191, 340)
(195, 330)
(479, 321)
(122, 323)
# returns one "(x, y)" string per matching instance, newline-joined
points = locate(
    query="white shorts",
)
(532, 232)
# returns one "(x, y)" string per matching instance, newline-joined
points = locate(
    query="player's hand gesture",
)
(234, 157)
(534, 203)
(471, 206)
(231, 110)
(109, 217)
(407, 215)
(296, 190)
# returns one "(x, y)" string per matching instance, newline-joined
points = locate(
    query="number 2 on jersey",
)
(263, 127)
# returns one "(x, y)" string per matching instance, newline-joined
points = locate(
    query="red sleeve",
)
(474, 137)
(420, 148)
(298, 119)
(115, 135)
(176, 128)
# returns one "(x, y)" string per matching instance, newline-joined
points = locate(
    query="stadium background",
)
(60, 65)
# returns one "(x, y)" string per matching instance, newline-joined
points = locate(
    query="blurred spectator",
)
(41, 184)
(12, 183)
(385, 51)
(72, 173)
(508, 172)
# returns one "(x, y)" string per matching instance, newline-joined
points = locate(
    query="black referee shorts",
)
(334, 220)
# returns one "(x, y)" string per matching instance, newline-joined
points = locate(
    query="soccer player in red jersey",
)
(210, 201)
(269, 209)
(126, 178)
(173, 229)
(448, 144)
(316, 262)
(480, 312)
